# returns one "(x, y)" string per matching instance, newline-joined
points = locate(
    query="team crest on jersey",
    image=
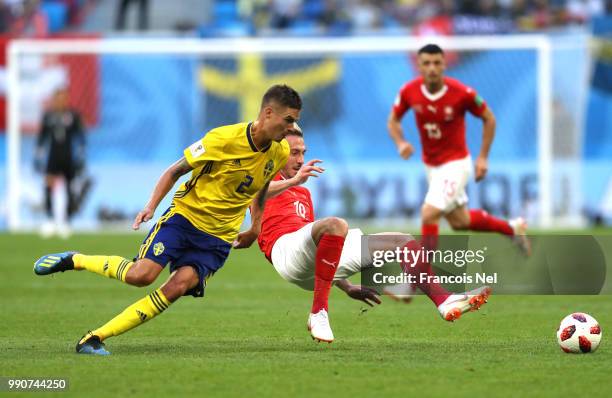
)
(158, 248)
(269, 168)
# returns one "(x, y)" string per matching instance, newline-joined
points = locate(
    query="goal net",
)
(143, 101)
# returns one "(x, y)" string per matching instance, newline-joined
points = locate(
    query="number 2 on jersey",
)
(433, 131)
(300, 209)
(248, 180)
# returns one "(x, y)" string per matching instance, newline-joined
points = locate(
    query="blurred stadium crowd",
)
(39, 18)
(446, 16)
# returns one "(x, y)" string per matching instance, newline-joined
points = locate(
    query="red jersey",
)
(283, 214)
(440, 117)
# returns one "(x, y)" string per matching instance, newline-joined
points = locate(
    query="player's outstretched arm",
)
(308, 169)
(163, 186)
(358, 292)
(394, 125)
(245, 239)
(488, 133)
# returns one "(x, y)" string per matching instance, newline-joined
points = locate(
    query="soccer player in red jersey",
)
(313, 254)
(440, 104)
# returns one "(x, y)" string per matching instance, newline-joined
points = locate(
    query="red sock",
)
(327, 258)
(422, 269)
(430, 236)
(480, 220)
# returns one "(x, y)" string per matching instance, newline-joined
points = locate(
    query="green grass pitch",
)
(248, 337)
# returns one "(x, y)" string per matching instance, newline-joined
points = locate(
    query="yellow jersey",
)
(228, 171)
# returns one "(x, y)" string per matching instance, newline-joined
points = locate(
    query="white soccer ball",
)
(579, 333)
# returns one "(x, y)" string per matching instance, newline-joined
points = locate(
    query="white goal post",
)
(279, 46)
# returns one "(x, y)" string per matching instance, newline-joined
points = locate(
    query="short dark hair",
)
(283, 95)
(430, 49)
(297, 131)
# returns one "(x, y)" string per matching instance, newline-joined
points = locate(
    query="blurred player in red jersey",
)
(313, 254)
(439, 104)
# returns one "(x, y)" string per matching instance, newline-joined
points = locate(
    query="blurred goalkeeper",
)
(231, 169)
(60, 155)
(314, 254)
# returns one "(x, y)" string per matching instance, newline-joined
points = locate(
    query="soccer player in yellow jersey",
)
(231, 169)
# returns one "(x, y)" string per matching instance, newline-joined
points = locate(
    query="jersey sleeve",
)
(400, 105)
(474, 102)
(211, 147)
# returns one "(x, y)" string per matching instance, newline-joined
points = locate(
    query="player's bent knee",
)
(139, 279)
(459, 225)
(143, 273)
(336, 226)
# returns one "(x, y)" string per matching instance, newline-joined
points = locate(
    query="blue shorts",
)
(175, 241)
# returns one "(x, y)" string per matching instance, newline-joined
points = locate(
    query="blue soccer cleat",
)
(91, 344)
(52, 263)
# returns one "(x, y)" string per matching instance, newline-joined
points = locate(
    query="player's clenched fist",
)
(481, 168)
(245, 239)
(405, 149)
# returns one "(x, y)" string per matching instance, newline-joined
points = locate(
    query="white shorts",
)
(447, 184)
(293, 256)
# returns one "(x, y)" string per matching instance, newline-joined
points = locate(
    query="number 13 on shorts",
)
(450, 188)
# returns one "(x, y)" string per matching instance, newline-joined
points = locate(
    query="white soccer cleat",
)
(457, 304)
(402, 292)
(318, 325)
(519, 226)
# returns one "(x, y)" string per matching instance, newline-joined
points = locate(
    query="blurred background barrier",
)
(142, 105)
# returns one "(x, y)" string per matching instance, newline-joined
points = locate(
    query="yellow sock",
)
(134, 315)
(110, 266)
